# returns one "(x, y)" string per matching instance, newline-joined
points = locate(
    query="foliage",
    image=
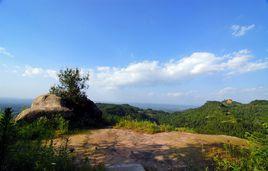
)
(143, 126)
(253, 158)
(220, 118)
(183, 129)
(113, 113)
(72, 89)
(243, 120)
(72, 85)
(44, 128)
(29, 146)
(7, 135)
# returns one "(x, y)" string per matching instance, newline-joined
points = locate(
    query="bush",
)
(44, 128)
(35, 155)
(184, 129)
(143, 126)
(253, 158)
(30, 146)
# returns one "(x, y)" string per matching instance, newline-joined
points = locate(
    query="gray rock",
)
(45, 105)
(125, 167)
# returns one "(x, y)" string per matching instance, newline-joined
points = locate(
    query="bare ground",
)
(161, 151)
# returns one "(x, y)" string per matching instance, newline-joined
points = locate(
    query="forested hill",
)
(227, 117)
(112, 113)
(231, 118)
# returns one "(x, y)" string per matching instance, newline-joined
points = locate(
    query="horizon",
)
(136, 104)
(179, 53)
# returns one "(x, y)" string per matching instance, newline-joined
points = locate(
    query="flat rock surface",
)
(161, 151)
(124, 167)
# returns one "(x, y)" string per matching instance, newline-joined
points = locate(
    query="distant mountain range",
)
(164, 107)
(18, 104)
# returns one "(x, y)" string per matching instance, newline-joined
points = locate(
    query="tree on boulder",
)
(72, 85)
(72, 89)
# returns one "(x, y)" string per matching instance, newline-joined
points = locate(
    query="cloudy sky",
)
(146, 51)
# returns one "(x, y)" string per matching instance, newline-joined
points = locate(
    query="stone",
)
(229, 101)
(125, 167)
(50, 105)
(45, 105)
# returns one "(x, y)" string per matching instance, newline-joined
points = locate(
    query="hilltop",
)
(161, 151)
(214, 117)
(222, 118)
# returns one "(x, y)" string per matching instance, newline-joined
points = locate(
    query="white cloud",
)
(36, 71)
(175, 94)
(155, 73)
(4, 52)
(226, 90)
(52, 73)
(241, 62)
(181, 93)
(239, 30)
(232, 90)
(243, 94)
(32, 71)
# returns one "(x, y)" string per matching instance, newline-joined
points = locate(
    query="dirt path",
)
(162, 150)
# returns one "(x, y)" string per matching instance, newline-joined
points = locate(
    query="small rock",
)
(125, 167)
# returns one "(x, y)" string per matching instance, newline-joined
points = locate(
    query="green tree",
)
(72, 85)
(72, 89)
(7, 135)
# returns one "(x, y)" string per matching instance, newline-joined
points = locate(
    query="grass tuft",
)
(144, 126)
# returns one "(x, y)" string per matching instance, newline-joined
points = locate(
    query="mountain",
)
(226, 117)
(112, 113)
(163, 107)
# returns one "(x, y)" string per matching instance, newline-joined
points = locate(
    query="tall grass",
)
(253, 158)
(143, 126)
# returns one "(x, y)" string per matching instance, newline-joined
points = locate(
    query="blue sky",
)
(147, 51)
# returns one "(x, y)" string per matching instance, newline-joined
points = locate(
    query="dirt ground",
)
(161, 151)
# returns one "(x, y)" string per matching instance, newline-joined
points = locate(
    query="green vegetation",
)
(144, 126)
(27, 146)
(248, 121)
(221, 118)
(113, 113)
(234, 119)
(72, 85)
(252, 158)
(72, 89)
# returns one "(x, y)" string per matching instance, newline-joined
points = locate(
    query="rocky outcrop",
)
(50, 105)
(45, 105)
(229, 101)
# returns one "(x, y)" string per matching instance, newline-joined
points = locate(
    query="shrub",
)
(30, 146)
(185, 129)
(143, 126)
(44, 128)
(8, 134)
(253, 158)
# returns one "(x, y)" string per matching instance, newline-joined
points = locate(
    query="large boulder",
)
(50, 105)
(45, 105)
